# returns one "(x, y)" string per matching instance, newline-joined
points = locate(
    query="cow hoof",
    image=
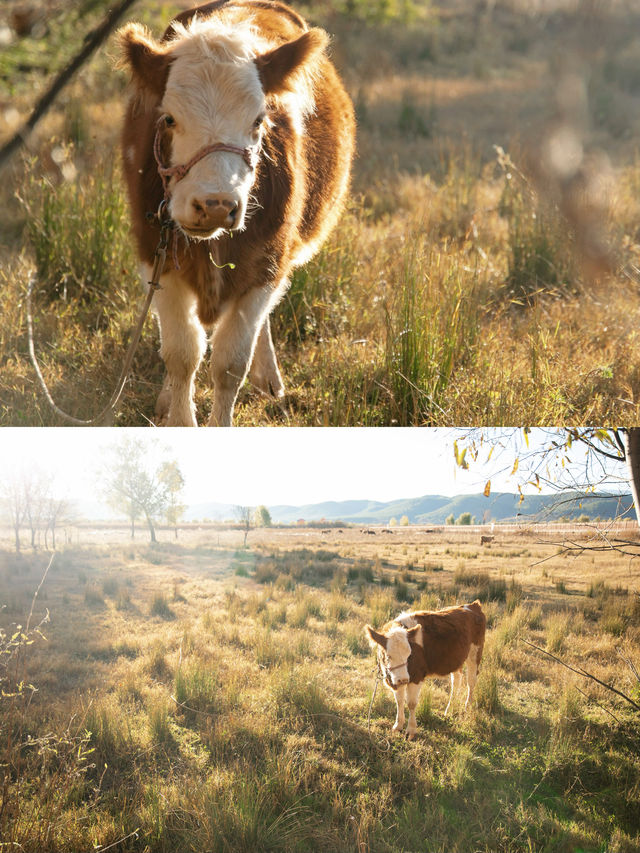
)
(411, 735)
(163, 404)
(269, 383)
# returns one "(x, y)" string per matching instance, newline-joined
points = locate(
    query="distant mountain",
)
(428, 509)
(434, 509)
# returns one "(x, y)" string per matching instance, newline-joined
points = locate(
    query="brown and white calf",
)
(240, 123)
(424, 643)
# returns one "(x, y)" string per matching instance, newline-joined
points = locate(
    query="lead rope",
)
(105, 418)
(378, 679)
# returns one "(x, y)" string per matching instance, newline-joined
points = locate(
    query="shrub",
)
(160, 607)
(93, 595)
(110, 587)
(196, 686)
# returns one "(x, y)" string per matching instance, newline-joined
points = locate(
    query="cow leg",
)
(472, 673)
(456, 681)
(182, 345)
(264, 372)
(399, 695)
(233, 343)
(413, 691)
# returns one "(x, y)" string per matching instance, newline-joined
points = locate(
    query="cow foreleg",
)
(413, 691)
(399, 695)
(233, 344)
(182, 345)
(264, 372)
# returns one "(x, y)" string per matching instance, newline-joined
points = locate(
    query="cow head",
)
(213, 87)
(394, 649)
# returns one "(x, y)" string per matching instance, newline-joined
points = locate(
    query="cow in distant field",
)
(486, 540)
(424, 643)
(240, 135)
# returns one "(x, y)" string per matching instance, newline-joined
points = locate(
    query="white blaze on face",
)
(397, 655)
(213, 95)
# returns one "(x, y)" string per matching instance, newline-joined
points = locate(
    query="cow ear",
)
(376, 637)
(147, 59)
(412, 634)
(276, 67)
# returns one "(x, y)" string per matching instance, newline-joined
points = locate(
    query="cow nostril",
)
(197, 206)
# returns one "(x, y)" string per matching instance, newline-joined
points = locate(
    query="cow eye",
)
(169, 121)
(259, 121)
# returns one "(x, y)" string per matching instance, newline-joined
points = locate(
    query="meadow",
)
(197, 695)
(485, 270)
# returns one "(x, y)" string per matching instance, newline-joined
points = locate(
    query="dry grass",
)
(460, 287)
(241, 723)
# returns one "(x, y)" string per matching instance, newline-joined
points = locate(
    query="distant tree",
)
(263, 517)
(57, 511)
(36, 487)
(171, 478)
(245, 516)
(132, 486)
(464, 518)
(450, 519)
(404, 521)
(393, 522)
(13, 503)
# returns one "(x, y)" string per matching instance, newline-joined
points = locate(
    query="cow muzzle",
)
(211, 213)
(395, 681)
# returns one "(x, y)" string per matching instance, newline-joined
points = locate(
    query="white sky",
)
(278, 465)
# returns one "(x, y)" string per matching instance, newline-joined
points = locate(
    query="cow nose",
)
(218, 210)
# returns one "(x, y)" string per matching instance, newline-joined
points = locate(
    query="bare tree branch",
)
(92, 41)
(584, 674)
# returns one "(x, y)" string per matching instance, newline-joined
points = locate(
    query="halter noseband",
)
(179, 172)
(385, 671)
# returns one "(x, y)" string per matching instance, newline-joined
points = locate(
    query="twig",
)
(584, 674)
(92, 41)
(119, 841)
(35, 594)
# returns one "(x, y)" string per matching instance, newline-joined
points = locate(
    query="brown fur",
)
(297, 181)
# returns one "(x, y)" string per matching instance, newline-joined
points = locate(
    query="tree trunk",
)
(17, 533)
(631, 439)
(152, 532)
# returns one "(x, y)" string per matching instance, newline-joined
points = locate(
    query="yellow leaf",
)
(487, 489)
(515, 467)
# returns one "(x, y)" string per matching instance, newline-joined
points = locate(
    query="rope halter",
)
(249, 155)
(385, 671)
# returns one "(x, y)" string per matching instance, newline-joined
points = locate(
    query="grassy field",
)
(200, 696)
(485, 271)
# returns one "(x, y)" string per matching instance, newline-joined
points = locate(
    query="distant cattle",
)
(240, 135)
(424, 643)
(486, 540)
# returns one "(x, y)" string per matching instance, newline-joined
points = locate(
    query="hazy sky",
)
(281, 465)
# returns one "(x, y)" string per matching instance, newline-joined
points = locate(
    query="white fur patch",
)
(408, 621)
